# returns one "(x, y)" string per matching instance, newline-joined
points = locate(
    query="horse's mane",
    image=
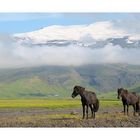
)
(133, 93)
(80, 88)
(125, 91)
(88, 91)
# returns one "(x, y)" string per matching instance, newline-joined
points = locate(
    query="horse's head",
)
(119, 92)
(77, 90)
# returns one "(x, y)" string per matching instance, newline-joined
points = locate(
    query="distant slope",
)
(39, 82)
(106, 78)
(30, 88)
(58, 82)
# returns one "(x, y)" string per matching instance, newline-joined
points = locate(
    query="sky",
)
(26, 22)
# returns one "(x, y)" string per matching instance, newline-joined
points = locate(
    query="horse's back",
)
(133, 98)
(90, 97)
(90, 93)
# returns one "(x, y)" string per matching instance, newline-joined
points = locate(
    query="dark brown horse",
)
(129, 98)
(88, 99)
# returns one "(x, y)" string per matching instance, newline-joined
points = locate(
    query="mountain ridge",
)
(58, 82)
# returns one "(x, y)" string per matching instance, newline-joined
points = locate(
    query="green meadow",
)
(51, 103)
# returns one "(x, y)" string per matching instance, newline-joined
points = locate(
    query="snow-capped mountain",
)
(94, 35)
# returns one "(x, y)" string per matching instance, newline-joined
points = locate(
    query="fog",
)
(14, 55)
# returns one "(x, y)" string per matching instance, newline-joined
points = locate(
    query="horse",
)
(88, 99)
(129, 98)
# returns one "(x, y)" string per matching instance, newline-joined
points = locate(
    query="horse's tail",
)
(137, 106)
(96, 106)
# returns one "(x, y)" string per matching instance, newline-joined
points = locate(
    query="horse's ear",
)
(82, 89)
(126, 91)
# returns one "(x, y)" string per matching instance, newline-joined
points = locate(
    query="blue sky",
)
(25, 22)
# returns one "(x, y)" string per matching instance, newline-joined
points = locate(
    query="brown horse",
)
(88, 99)
(129, 98)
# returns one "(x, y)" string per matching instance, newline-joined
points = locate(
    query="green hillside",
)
(30, 87)
(58, 82)
(43, 82)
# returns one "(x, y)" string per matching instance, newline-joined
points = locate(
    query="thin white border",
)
(69, 133)
(70, 6)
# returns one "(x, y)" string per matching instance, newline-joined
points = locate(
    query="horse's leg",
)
(134, 106)
(127, 110)
(138, 108)
(83, 110)
(91, 110)
(139, 111)
(87, 112)
(94, 115)
(124, 108)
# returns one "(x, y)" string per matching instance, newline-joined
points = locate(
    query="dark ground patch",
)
(41, 117)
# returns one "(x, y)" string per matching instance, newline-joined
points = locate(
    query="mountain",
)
(52, 78)
(58, 82)
(94, 35)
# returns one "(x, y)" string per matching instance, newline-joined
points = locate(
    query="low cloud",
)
(17, 56)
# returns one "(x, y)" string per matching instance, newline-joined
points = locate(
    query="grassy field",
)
(50, 103)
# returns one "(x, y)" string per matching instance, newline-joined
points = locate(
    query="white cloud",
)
(98, 31)
(104, 30)
(19, 56)
(130, 24)
(134, 37)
